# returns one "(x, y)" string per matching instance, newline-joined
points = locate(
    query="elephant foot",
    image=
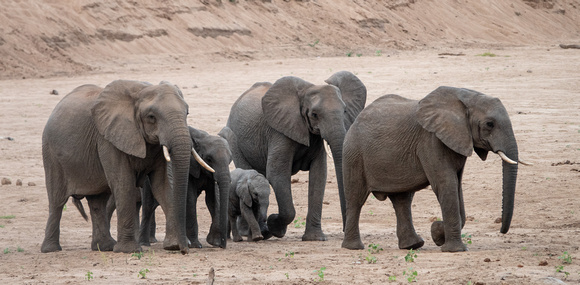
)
(257, 237)
(237, 238)
(438, 233)
(171, 243)
(315, 235)
(194, 243)
(266, 234)
(411, 244)
(276, 228)
(213, 239)
(352, 244)
(454, 247)
(50, 247)
(106, 245)
(152, 239)
(127, 247)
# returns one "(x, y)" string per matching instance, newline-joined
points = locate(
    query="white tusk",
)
(525, 163)
(200, 160)
(327, 147)
(505, 158)
(166, 154)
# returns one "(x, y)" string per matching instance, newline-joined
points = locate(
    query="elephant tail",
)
(77, 202)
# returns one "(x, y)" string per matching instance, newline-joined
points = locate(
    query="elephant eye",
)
(489, 124)
(314, 115)
(151, 119)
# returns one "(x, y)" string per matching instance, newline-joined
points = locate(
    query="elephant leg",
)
(147, 214)
(278, 223)
(448, 232)
(248, 215)
(236, 237)
(408, 238)
(356, 193)
(243, 227)
(56, 201)
(102, 240)
(438, 228)
(316, 185)
(211, 201)
(191, 226)
(127, 220)
(153, 226)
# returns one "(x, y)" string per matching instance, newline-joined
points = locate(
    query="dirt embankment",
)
(41, 38)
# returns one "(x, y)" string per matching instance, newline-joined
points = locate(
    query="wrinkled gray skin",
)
(278, 129)
(215, 151)
(398, 146)
(249, 199)
(99, 142)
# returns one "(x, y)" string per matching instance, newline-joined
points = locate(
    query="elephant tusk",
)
(505, 158)
(166, 154)
(200, 160)
(525, 163)
(327, 147)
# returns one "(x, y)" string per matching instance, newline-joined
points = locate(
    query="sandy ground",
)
(538, 85)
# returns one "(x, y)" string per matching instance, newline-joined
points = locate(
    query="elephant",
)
(100, 142)
(398, 146)
(215, 180)
(278, 129)
(249, 200)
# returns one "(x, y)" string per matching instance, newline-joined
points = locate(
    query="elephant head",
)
(215, 151)
(298, 109)
(466, 120)
(139, 118)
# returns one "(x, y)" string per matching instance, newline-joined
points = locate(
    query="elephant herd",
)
(128, 145)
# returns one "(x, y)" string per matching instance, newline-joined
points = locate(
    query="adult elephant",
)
(213, 178)
(279, 129)
(103, 141)
(398, 146)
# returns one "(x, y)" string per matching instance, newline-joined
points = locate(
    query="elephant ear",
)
(197, 136)
(281, 106)
(443, 113)
(114, 116)
(354, 94)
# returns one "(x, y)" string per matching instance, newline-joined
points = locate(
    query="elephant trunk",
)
(180, 148)
(336, 148)
(510, 174)
(223, 183)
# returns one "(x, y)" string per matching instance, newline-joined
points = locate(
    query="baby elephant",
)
(249, 199)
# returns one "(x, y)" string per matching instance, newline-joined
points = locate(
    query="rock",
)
(18, 182)
(31, 184)
(6, 181)
(53, 92)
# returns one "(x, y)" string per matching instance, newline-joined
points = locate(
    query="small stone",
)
(31, 184)
(6, 181)
(18, 182)
(543, 263)
(497, 221)
(487, 259)
(53, 92)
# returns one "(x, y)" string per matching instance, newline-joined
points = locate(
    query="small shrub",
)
(410, 275)
(298, 222)
(566, 258)
(289, 254)
(320, 273)
(411, 255)
(7, 217)
(89, 276)
(143, 273)
(466, 238)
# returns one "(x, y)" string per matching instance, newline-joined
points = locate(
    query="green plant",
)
(314, 43)
(320, 273)
(287, 275)
(374, 248)
(7, 217)
(411, 255)
(566, 258)
(289, 254)
(410, 274)
(298, 222)
(358, 54)
(466, 238)
(371, 259)
(371, 212)
(89, 275)
(560, 268)
(143, 273)
(487, 54)
(64, 208)
(137, 254)
(2, 226)
(6, 250)
(349, 54)
(378, 52)
(19, 249)
(393, 278)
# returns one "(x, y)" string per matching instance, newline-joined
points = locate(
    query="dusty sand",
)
(56, 45)
(538, 85)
